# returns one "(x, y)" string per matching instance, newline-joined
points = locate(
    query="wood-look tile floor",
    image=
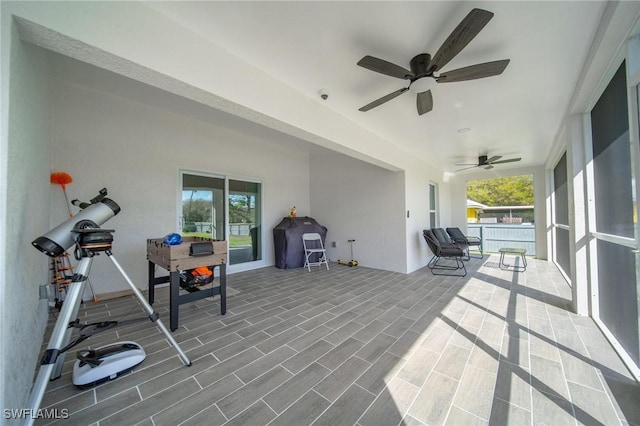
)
(359, 346)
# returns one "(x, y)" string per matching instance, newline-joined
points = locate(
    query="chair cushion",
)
(456, 234)
(441, 236)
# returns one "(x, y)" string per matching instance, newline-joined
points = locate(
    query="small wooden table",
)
(517, 252)
(177, 258)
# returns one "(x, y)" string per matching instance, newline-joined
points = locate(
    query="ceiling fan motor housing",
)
(420, 65)
(482, 160)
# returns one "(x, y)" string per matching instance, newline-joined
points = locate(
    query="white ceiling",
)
(315, 45)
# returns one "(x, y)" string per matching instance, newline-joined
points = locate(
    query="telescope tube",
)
(61, 238)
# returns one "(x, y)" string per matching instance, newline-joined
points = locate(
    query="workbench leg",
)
(152, 286)
(174, 302)
(223, 288)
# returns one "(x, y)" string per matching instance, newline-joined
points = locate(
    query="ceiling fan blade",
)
(467, 168)
(383, 99)
(511, 160)
(473, 72)
(384, 67)
(424, 102)
(492, 159)
(466, 30)
(489, 167)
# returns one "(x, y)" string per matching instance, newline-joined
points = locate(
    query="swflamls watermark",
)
(41, 413)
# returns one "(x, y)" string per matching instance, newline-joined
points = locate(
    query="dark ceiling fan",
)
(487, 163)
(424, 67)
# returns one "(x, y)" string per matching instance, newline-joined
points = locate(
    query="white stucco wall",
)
(356, 200)
(417, 180)
(137, 150)
(25, 201)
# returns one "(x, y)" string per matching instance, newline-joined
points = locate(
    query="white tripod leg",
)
(52, 360)
(152, 314)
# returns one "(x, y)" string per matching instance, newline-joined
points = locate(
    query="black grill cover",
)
(287, 238)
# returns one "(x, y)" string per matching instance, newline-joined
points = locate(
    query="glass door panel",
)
(244, 221)
(203, 206)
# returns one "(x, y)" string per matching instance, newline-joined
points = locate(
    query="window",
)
(433, 205)
(561, 216)
(223, 208)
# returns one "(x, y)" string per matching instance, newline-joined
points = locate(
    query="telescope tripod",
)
(53, 358)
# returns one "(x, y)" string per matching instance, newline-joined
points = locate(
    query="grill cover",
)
(287, 238)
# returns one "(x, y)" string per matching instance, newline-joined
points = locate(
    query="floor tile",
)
(287, 393)
(432, 407)
(391, 404)
(361, 347)
(340, 353)
(149, 406)
(475, 393)
(298, 362)
(240, 399)
(419, 366)
(346, 409)
(303, 412)
(551, 410)
(200, 401)
(263, 364)
(591, 406)
(257, 414)
(341, 378)
(452, 361)
(503, 414)
(380, 373)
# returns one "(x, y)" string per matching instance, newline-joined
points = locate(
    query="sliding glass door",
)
(223, 208)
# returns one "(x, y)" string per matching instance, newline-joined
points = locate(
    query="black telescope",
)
(61, 238)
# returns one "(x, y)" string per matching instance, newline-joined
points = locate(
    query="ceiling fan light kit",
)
(423, 66)
(421, 85)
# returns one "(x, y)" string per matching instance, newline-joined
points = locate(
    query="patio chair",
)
(444, 253)
(444, 238)
(313, 246)
(457, 236)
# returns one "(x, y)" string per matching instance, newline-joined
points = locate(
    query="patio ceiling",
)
(311, 46)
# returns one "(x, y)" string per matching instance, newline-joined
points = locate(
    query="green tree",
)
(198, 210)
(506, 191)
(240, 208)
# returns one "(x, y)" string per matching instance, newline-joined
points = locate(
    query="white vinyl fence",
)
(496, 236)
